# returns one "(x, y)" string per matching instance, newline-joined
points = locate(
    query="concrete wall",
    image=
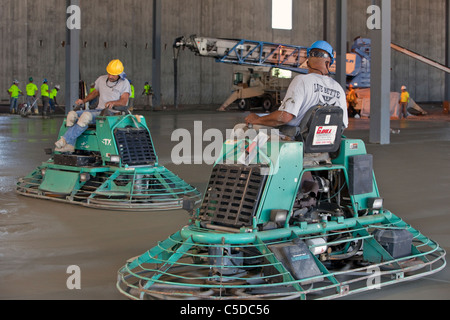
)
(32, 35)
(418, 26)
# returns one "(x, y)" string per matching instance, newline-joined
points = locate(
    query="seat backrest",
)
(321, 129)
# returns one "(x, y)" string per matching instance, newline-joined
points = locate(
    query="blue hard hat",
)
(45, 80)
(325, 46)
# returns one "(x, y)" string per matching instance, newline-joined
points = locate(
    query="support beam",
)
(156, 55)
(380, 78)
(325, 20)
(447, 57)
(73, 26)
(341, 41)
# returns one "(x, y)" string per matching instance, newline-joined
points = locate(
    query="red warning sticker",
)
(324, 135)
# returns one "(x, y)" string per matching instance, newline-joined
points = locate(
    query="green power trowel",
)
(285, 225)
(114, 167)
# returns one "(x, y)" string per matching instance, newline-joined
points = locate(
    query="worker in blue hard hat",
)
(322, 49)
(307, 91)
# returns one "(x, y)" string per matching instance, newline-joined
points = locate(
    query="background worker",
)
(148, 93)
(93, 102)
(111, 89)
(131, 100)
(52, 96)
(31, 89)
(307, 91)
(352, 101)
(14, 93)
(404, 99)
(45, 96)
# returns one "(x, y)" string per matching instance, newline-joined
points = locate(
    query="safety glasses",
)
(319, 54)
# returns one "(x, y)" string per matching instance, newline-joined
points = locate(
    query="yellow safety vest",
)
(53, 93)
(404, 97)
(14, 90)
(44, 90)
(31, 89)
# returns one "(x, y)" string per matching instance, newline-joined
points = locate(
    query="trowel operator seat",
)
(321, 129)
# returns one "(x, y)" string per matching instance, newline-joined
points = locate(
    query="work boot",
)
(60, 143)
(67, 148)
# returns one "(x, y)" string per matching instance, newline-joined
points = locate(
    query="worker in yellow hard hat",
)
(112, 89)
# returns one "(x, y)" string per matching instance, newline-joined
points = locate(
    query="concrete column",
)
(380, 77)
(341, 42)
(325, 20)
(447, 57)
(73, 25)
(156, 55)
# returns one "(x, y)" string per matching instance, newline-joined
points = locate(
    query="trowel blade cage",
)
(294, 263)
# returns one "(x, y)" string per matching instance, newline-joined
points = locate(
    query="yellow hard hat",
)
(115, 67)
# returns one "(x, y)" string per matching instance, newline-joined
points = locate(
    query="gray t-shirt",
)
(307, 91)
(110, 91)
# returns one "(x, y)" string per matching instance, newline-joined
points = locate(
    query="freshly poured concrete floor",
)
(40, 239)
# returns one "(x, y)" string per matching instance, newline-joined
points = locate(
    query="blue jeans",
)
(76, 130)
(52, 105)
(30, 101)
(12, 104)
(45, 105)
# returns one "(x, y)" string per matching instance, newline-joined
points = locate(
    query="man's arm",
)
(89, 97)
(275, 119)
(123, 101)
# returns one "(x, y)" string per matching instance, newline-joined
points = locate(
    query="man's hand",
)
(274, 119)
(109, 104)
(251, 118)
(79, 102)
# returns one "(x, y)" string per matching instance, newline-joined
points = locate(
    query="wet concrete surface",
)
(40, 239)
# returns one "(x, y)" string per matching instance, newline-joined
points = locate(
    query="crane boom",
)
(420, 57)
(247, 52)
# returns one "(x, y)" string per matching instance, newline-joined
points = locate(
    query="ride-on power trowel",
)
(114, 167)
(290, 224)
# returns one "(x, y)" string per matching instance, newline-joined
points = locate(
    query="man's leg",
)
(71, 119)
(29, 101)
(45, 105)
(34, 104)
(402, 112)
(12, 105)
(52, 105)
(68, 141)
